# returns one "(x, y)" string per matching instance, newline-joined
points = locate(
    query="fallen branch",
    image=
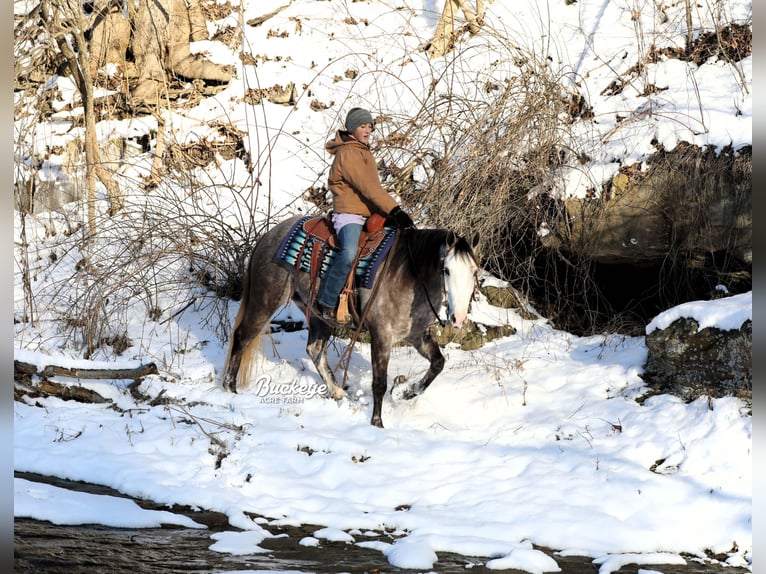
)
(20, 368)
(46, 388)
(258, 20)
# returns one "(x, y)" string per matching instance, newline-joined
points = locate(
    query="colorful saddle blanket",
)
(299, 243)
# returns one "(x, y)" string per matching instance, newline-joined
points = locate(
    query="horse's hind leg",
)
(316, 347)
(428, 348)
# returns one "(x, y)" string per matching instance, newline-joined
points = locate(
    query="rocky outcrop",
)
(659, 233)
(690, 362)
(691, 202)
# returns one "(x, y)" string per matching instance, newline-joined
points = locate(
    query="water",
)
(41, 547)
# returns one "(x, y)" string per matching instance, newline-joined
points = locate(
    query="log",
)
(134, 373)
(21, 368)
(80, 394)
(24, 386)
(258, 20)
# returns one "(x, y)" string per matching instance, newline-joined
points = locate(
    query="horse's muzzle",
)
(457, 320)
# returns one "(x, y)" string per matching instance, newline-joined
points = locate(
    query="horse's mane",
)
(419, 249)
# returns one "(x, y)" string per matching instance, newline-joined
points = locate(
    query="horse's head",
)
(460, 269)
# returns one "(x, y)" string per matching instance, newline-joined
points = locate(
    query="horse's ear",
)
(451, 239)
(474, 240)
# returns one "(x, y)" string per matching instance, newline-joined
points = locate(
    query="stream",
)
(42, 547)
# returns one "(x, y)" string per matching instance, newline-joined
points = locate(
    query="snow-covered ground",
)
(533, 439)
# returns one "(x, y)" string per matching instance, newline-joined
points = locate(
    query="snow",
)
(237, 543)
(411, 553)
(525, 558)
(535, 437)
(534, 440)
(726, 314)
(614, 563)
(67, 507)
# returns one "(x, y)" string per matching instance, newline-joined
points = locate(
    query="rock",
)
(508, 298)
(690, 362)
(470, 336)
(691, 201)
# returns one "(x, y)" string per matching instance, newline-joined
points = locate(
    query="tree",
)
(445, 34)
(66, 23)
(161, 33)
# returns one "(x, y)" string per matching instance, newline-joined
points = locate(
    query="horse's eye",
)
(446, 272)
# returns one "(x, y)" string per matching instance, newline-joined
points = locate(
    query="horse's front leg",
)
(316, 347)
(380, 354)
(428, 348)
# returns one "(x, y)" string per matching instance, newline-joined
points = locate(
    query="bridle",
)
(442, 288)
(443, 250)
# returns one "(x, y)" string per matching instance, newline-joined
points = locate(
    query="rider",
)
(356, 194)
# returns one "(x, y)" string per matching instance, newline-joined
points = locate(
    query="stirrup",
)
(342, 314)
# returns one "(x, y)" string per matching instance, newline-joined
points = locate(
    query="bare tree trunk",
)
(197, 22)
(155, 175)
(66, 18)
(150, 25)
(163, 30)
(180, 59)
(110, 36)
(445, 34)
(443, 41)
(689, 29)
(26, 283)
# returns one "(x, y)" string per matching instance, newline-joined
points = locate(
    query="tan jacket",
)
(354, 180)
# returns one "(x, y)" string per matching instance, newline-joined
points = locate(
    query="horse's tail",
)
(263, 291)
(246, 355)
(249, 355)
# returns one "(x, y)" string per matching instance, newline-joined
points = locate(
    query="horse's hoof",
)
(338, 394)
(399, 379)
(377, 422)
(403, 393)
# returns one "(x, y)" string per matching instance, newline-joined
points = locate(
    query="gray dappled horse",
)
(425, 269)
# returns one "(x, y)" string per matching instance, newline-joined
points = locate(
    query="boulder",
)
(690, 362)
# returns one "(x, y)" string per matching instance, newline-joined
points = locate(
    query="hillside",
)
(567, 133)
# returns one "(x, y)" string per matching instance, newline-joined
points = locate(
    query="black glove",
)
(401, 218)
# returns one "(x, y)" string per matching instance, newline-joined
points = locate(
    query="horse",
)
(424, 270)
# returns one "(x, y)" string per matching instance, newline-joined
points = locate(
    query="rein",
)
(442, 255)
(347, 353)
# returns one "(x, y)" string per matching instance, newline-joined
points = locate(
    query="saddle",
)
(320, 231)
(321, 228)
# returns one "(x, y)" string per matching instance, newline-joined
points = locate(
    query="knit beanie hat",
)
(356, 117)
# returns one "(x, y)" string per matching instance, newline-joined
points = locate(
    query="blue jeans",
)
(336, 275)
